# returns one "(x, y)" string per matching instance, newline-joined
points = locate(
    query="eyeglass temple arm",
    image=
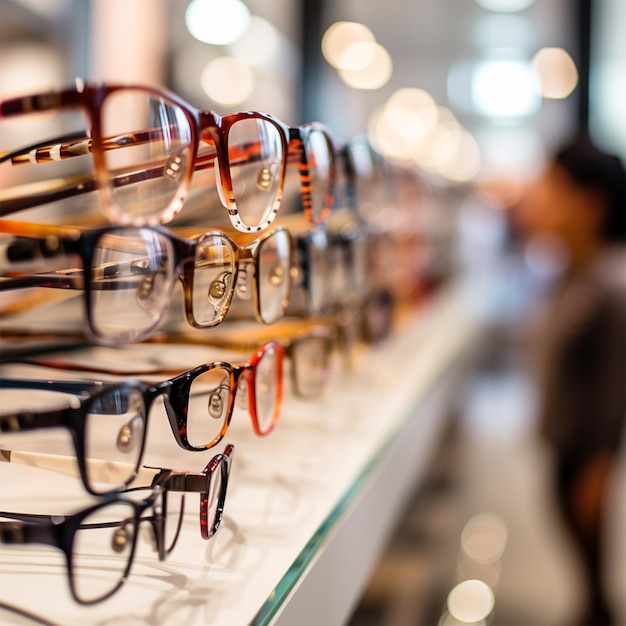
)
(74, 187)
(42, 153)
(76, 387)
(105, 276)
(23, 530)
(117, 472)
(108, 472)
(103, 405)
(25, 420)
(36, 528)
(76, 144)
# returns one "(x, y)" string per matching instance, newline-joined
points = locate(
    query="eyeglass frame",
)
(59, 531)
(91, 96)
(165, 478)
(73, 418)
(82, 242)
(176, 408)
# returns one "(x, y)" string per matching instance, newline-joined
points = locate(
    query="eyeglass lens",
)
(311, 364)
(146, 133)
(173, 509)
(132, 275)
(211, 500)
(274, 278)
(115, 428)
(209, 406)
(256, 156)
(101, 552)
(320, 167)
(214, 269)
(266, 389)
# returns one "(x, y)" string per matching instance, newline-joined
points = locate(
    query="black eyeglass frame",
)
(60, 531)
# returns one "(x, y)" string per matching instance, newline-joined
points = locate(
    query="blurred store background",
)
(472, 94)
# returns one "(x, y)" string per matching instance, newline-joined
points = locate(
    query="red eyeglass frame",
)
(205, 126)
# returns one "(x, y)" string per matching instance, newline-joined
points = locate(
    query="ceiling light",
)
(217, 22)
(504, 89)
(505, 6)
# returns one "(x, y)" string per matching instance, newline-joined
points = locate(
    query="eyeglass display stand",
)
(309, 509)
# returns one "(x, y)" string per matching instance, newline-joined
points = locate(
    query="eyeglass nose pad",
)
(151, 285)
(264, 179)
(175, 165)
(121, 537)
(218, 289)
(244, 279)
(128, 435)
(216, 404)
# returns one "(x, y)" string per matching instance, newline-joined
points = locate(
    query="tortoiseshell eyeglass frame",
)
(204, 126)
(176, 392)
(35, 239)
(201, 482)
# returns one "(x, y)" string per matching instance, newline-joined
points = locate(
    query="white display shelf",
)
(309, 507)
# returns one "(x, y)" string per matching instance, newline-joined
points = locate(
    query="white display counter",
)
(309, 508)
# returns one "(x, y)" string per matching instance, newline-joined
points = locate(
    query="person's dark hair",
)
(590, 167)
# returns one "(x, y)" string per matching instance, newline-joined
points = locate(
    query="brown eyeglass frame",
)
(72, 240)
(205, 126)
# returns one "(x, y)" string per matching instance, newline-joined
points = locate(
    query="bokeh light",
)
(228, 80)
(30, 67)
(260, 43)
(339, 37)
(217, 22)
(471, 601)
(375, 74)
(411, 113)
(557, 72)
(504, 31)
(410, 128)
(484, 537)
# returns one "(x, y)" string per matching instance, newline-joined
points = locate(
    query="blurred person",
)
(576, 209)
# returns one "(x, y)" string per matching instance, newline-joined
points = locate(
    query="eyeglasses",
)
(127, 274)
(199, 404)
(309, 349)
(211, 483)
(107, 423)
(309, 290)
(307, 344)
(98, 542)
(132, 150)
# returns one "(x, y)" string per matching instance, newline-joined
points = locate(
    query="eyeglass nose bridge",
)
(245, 277)
(241, 383)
